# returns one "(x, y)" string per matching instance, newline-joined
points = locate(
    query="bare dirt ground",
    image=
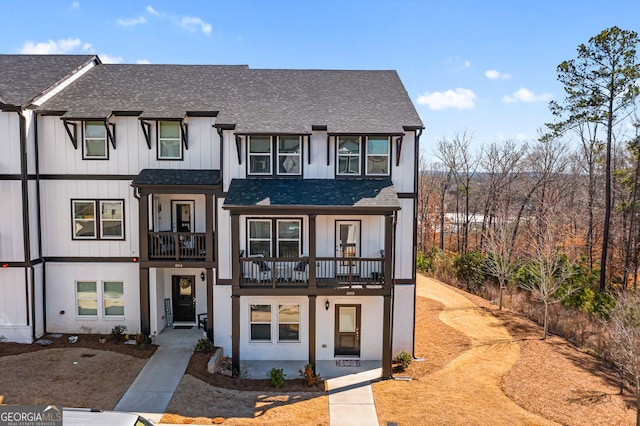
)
(481, 366)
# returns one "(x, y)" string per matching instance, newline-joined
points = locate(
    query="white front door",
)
(347, 246)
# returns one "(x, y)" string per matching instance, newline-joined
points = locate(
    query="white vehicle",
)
(93, 417)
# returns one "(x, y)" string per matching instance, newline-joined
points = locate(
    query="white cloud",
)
(75, 5)
(143, 61)
(494, 75)
(51, 47)
(130, 22)
(152, 11)
(467, 64)
(459, 98)
(526, 95)
(87, 47)
(191, 23)
(108, 59)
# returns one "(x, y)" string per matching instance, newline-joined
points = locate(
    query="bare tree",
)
(549, 273)
(499, 261)
(624, 340)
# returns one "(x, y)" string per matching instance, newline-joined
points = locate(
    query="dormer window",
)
(94, 146)
(169, 140)
(356, 154)
(275, 155)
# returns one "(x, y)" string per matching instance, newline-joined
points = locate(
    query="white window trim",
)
(78, 298)
(94, 220)
(388, 155)
(278, 322)
(260, 154)
(100, 300)
(105, 298)
(274, 323)
(349, 156)
(85, 154)
(121, 220)
(250, 239)
(298, 240)
(270, 322)
(289, 154)
(161, 140)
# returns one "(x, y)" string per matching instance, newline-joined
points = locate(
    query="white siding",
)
(9, 143)
(223, 238)
(232, 168)
(318, 169)
(33, 220)
(403, 175)
(57, 218)
(14, 322)
(11, 229)
(403, 318)
(131, 154)
(38, 274)
(404, 241)
(61, 296)
(222, 317)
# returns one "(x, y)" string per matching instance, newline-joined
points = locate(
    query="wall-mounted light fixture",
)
(202, 275)
(326, 304)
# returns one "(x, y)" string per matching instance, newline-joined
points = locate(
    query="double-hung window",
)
(287, 241)
(111, 299)
(349, 155)
(277, 155)
(169, 140)
(377, 156)
(260, 323)
(287, 323)
(260, 155)
(95, 141)
(360, 155)
(91, 223)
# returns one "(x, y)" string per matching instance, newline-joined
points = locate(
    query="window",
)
(111, 223)
(286, 150)
(95, 140)
(349, 155)
(289, 238)
(289, 153)
(113, 298)
(259, 155)
(288, 241)
(109, 216)
(377, 156)
(87, 298)
(289, 323)
(169, 143)
(260, 323)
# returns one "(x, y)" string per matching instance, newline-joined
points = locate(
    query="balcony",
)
(331, 272)
(177, 246)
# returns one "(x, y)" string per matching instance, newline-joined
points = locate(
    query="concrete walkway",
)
(151, 391)
(351, 399)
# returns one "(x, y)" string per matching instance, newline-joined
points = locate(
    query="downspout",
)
(29, 285)
(219, 130)
(415, 232)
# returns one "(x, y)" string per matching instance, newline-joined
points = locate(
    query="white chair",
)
(258, 269)
(301, 271)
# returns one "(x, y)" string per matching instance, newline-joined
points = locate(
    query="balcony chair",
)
(301, 271)
(257, 270)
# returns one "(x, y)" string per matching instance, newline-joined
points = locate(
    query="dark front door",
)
(184, 300)
(183, 215)
(347, 334)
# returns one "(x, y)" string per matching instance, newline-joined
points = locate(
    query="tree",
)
(624, 338)
(499, 262)
(601, 86)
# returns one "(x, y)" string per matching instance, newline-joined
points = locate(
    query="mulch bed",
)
(89, 341)
(198, 368)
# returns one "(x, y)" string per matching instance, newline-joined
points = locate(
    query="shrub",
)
(404, 359)
(309, 376)
(118, 332)
(469, 268)
(276, 377)
(204, 345)
(142, 340)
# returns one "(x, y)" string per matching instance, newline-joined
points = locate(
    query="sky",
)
(486, 69)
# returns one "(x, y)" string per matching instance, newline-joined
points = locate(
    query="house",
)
(275, 207)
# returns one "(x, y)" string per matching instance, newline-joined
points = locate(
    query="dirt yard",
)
(480, 366)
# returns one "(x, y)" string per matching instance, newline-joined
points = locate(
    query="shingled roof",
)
(25, 77)
(369, 194)
(252, 100)
(182, 177)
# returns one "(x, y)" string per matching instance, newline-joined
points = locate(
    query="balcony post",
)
(143, 229)
(313, 284)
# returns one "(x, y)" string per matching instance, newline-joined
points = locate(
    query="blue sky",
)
(487, 68)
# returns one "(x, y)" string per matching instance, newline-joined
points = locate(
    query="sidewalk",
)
(351, 399)
(151, 391)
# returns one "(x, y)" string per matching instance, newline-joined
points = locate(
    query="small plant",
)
(276, 377)
(204, 345)
(118, 332)
(404, 359)
(142, 340)
(309, 376)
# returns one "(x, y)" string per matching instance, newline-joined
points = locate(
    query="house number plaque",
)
(178, 265)
(351, 293)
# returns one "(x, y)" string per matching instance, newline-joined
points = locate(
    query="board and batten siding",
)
(57, 218)
(10, 143)
(14, 312)
(11, 228)
(59, 157)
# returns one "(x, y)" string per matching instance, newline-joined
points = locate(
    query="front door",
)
(347, 333)
(184, 298)
(182, 216)
(347, 247)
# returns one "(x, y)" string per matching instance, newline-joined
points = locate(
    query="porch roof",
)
(366, 195)
(172, 179)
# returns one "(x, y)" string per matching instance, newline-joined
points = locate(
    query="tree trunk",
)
(607, 201)
(546, 322)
